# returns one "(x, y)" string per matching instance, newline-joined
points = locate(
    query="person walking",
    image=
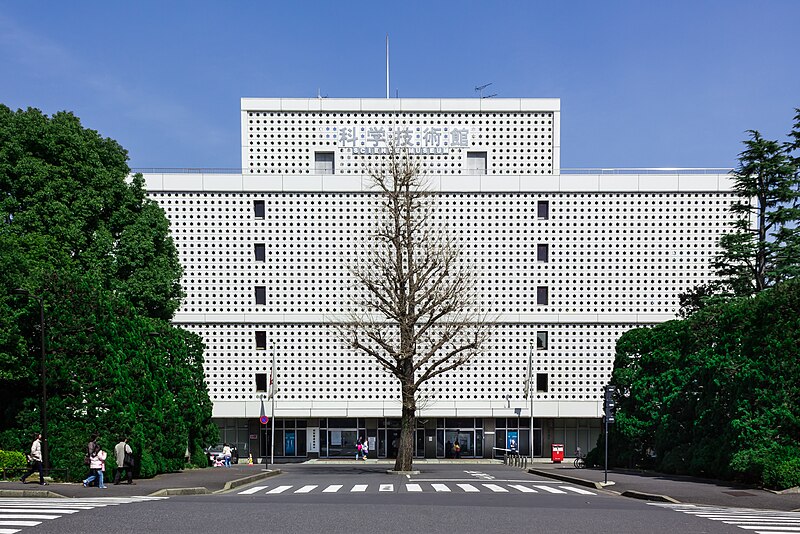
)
(226, 454)
(98, 467)
(359, 446)
(92, 448)
(35, 460)
(365, 450)
(123, 454)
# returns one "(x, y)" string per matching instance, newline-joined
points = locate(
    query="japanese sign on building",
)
(420, 139)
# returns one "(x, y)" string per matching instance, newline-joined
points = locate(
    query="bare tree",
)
(417, 314)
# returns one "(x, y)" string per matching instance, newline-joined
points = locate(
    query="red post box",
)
(558, 453)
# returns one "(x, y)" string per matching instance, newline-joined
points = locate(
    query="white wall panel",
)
(621, 248)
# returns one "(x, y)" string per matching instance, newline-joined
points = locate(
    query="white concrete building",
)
(568, 261)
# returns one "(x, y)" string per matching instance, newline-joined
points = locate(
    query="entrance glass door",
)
(342, 442)
(465, 440)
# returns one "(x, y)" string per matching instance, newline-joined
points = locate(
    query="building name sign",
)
(417, 139)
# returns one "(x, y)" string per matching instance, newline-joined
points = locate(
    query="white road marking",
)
(469, 488)
(413, 487)
(580, 491)
(386, 487)
(49, 510)
(20, 523)
(28, 516)
(359, 488)
(495, 488)
(306, 489)
(548, 489)
(523, 489)
(9, 530)
(440, 487)
(760, 521)
(333, 488)
(254, 489)
(279, 489)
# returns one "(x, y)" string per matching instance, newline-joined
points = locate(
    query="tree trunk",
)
(405, 451)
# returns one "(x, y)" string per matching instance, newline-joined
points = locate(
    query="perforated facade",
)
(567, 262)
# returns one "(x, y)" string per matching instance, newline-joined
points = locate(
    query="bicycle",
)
(580, 462)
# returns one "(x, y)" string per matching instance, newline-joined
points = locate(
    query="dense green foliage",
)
(764, 248)
(76, 231)
(716, 394)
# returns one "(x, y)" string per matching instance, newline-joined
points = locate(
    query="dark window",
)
(261, 252)
(261, 340)
(476, 162)
(541, 339)
(258, 209)
(261, 295)
(542, 252)
(543, 209)
(541, 382)
(542, 295)
(261, 381)
(324, 163)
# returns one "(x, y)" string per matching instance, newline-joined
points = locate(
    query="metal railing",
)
(475, 172)
(649, 170)
(187, 170)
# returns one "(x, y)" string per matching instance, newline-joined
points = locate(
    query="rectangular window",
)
(476, 162)
(542, 295)
(541, 382)
(258, 209)
(542, 252)
(261, 340)
(261, 295)
(261, 381)
(543, 209)
(324, 163)
(261, 251)
(541, 340)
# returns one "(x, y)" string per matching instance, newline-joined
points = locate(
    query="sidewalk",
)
(669, 488)
(188, 482)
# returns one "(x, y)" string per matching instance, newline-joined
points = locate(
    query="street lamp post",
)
(45, 444)
(530, 391)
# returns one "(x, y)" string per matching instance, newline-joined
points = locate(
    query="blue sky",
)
(641, 83)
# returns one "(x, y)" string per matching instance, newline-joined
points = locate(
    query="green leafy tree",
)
(764, 248)
(717, 394)
(79, 232)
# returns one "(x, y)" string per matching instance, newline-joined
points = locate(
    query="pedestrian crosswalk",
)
(418, 487)
(17, 513)
(748, 519)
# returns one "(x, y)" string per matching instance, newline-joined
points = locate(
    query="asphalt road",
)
(441, 499)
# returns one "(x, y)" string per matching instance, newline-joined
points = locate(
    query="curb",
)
(599, 485)
(179, 491)
(566, 478)
(205, 491)
(649, 497)
(248, 479)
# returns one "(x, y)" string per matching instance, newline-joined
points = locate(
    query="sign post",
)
(608, 408)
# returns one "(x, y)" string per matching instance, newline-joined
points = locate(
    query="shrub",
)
(12, 463)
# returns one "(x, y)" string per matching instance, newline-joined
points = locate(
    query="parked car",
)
(215, 454)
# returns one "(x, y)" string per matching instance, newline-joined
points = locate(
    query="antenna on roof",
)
(479, 89)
